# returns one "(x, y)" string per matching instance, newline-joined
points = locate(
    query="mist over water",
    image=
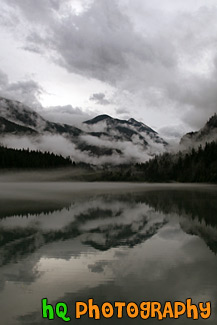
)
(70, 242)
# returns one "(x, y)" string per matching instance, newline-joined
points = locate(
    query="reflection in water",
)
(153, 245)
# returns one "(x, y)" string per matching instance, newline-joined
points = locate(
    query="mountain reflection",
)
(109, 247)
(197, 211)
(104, 222)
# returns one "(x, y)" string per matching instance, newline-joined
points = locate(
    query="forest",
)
(24, 158)
(196, 165)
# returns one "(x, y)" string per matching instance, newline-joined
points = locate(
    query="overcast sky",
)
(153, 60)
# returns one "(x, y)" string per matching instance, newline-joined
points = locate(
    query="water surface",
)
(110, 242)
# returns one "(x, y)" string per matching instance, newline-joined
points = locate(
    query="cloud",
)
(122, 151)
(100, 99)
(172, 132)
(162, 54)
(130, 151)
(67, 114)
(26, 91)
(3, 79)
(101, 43)
(122, 110)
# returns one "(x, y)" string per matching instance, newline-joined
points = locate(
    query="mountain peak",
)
(98, 118)
(126, 129)
(132, 120)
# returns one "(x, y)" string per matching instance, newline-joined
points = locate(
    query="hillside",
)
(13, 158)
(192, 167)
(102, 140)
(208, 133)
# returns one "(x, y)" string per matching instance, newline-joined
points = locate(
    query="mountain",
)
(125, 129)
(101, 140)
(21, 117)
(8, 127)
(206, 134)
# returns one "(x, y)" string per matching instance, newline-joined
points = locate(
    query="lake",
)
(70, 242)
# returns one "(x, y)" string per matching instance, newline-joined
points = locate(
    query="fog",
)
(131, 151)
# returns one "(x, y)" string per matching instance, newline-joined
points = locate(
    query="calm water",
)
(71, 242)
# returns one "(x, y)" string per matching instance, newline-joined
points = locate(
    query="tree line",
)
(197, 165)
(24, 158)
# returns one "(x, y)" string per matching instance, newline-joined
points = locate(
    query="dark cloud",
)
(163, 55)
(172, 134)
(37, 12)
(122, 110)
(67, 114)
(100, 43)
(3, 79)
(100, 99)
(27, 91)
(98, 267)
